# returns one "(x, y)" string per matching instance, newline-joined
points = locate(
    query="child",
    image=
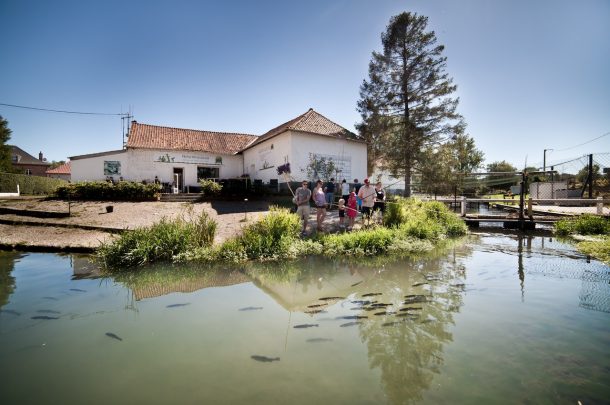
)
(341, 213)
(352, 209)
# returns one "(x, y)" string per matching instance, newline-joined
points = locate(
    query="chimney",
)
(40, 156)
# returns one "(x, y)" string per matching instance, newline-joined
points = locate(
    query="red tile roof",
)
(156, 137)
(309, 122)
(63, 169)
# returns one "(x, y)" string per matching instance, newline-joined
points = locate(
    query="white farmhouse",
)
(187, 155)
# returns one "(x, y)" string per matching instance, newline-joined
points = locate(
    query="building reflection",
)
(7, 281)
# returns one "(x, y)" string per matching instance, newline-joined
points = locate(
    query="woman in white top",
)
(345, 190)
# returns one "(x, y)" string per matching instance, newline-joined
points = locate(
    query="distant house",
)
(28, 164)
(188, 155)
(61, 172)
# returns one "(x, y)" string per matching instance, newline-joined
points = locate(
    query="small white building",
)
(189, 155)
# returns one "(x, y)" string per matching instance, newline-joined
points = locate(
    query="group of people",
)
(360, 198)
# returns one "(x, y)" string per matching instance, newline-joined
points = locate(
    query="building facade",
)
(184, 156)
(28, 164)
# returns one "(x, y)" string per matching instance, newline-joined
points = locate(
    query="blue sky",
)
(531, 75)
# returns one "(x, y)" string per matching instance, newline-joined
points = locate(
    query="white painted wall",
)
(353, 153)
(145, 164)
(295, 148)
(275, 152)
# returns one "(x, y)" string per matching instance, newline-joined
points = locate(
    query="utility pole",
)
(544, 160)
(591, 176)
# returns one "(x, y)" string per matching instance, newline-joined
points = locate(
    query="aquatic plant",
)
(600, 249)
(583, 225)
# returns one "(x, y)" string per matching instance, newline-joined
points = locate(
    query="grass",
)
(588, 225)
(411, 226)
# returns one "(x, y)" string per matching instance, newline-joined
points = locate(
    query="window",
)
(207, 172)
(28, 172)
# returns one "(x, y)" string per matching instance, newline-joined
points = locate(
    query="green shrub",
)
(29, 184)
(583, 225)
(210, 188)
(272, 235)
(103, 190)
(160, 242)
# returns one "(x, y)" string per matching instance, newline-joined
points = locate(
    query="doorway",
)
(178, 178)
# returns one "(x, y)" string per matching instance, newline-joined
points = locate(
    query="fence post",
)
(600, 206)
(529, 207)
(463, 206)
(18, 193)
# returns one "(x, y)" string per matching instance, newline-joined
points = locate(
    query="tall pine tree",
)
(406, 102)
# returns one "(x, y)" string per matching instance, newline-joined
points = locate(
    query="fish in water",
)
(177, 305)
(370, 308)
(410, 309)
(77, 290)
(305, 325)
(318, 340)
(48, 311)
(408, 315)
(112, 335)
(317, 305)
(316, 311)
(350, 324)
(250, 308)
(264, 359)
(44, 317)
(380, 313)
(419, 284)
(355, 284)
(361, 302)
(371, 294)
(331, 298)
(390, 323)
(380, 305)
(459, 285)
(352, 317)
(50, 298)
(10, 311)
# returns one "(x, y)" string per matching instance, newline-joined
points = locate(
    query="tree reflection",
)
(7, 281)
(409, 353)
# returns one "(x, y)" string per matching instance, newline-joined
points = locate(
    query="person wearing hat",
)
(367, 195)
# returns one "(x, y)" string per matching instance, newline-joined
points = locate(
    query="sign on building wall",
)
(186, 158)
(265, 157)
(112, 168)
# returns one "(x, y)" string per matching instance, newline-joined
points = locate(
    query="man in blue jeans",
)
(329, 192)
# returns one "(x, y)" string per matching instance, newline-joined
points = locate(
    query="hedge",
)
(28, 184)
(103, 190)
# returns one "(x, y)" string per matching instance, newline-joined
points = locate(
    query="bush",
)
(29, 184)
(162, 241)
(583, 225)
(272, 235)
(103, 190)
(210, 188)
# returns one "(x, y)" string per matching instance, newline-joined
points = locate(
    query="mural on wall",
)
(112, 168)
(186, 158)
(327, 166)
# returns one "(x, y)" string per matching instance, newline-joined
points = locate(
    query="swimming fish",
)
(318, 340)
(355, 284)
(331, 298)
(250, 309)
(380, 305)
(306, 325)
(317, 305)
(44, 317)
(410, 309)
(177, 305)
(112, 335)
(361, 302)
(371, 294)
(352, 317)
(408, 315)
(316, 311)
(77, 290)
(10, 311)
(264, 359)
(50, 298)
(418, 284)
(380, 313)
(390, 323)
(350, 324)
(48, 311)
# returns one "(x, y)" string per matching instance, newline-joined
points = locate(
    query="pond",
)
(493, 318)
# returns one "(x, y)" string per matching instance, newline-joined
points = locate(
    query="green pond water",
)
(491, 319)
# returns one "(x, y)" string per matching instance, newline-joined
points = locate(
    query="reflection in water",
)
(7, 281)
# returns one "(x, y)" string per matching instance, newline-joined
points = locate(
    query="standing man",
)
(367, 196)
(329, 192)
(303, 194)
